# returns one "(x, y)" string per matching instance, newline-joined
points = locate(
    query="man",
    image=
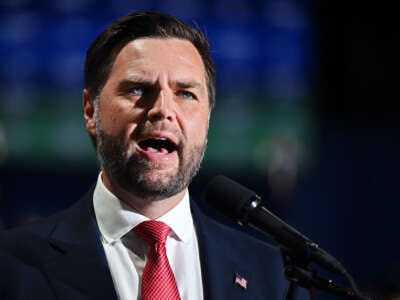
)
(149, 91)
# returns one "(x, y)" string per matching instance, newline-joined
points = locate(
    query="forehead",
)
(149, 55)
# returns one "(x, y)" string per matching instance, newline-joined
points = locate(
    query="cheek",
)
(119, 120)
(109, 119)
(197, 127)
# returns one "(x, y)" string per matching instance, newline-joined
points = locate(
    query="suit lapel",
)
(219, 263)
(77, 266)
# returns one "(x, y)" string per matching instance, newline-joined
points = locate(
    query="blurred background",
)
(306, 115)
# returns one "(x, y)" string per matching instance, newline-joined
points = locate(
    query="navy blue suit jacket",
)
(61, 257)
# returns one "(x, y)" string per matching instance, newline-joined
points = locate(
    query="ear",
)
(88, 112)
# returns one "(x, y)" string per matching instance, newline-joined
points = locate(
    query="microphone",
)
(242, 205)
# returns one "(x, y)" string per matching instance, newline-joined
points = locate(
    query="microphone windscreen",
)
(227, 196)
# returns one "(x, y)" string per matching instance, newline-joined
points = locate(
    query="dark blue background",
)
(341, 64)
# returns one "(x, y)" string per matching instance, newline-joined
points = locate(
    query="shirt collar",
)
(115, 218)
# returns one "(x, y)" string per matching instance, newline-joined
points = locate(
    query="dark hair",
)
(102, 52)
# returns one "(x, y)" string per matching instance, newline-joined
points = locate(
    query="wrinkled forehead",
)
(151, 56)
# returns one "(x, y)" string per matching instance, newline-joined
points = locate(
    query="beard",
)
(131, 173)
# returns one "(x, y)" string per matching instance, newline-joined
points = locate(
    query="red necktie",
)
(158, 281)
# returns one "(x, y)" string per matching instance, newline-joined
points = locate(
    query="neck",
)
(148, 208)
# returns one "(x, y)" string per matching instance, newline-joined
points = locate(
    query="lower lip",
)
(157, 156)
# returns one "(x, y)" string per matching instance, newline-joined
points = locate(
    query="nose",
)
(162, 107)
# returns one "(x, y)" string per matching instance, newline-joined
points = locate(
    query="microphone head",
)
(228, 197)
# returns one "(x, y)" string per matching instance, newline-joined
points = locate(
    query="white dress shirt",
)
(126, 253)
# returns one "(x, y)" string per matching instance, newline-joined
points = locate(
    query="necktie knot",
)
(153, 232)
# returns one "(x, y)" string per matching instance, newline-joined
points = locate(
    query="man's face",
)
(152, 118)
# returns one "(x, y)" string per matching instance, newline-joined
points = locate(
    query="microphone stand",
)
(308, 279)
(298, 273)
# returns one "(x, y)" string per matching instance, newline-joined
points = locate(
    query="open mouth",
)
(161, 145)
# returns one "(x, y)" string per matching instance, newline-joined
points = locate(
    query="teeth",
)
(158, 144)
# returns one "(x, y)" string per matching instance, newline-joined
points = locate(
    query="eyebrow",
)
(128, 83)
(187, 84)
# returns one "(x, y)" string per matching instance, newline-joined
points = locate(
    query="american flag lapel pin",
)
(240, 281)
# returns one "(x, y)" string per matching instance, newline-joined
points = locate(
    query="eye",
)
(137, 91)
(187, 95)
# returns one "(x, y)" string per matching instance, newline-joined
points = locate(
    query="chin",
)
(158, 179)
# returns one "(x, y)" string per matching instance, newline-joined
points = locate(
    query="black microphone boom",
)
(244, 206)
